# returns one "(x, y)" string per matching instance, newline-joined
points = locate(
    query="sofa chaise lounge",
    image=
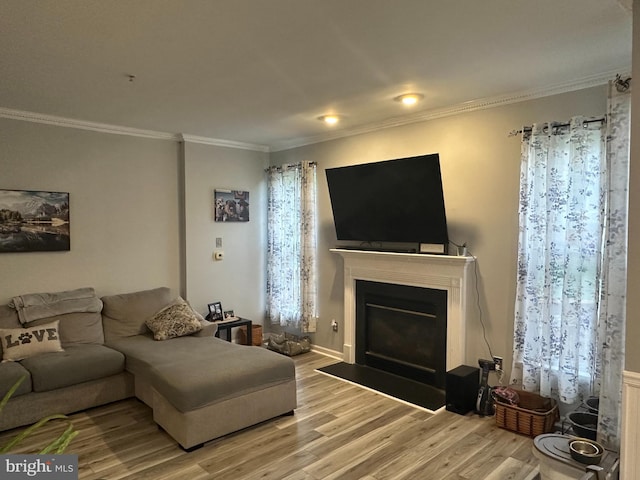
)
(199, 387)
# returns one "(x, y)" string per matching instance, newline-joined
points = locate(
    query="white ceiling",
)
(260, 72)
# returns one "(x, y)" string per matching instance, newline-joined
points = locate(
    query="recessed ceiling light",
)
(329, 119)
(409, 98)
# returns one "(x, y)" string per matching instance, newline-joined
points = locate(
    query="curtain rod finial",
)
(622, 84)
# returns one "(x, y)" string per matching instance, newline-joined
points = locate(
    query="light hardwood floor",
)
(339, 431)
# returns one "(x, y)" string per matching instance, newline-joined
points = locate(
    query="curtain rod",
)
(621, 84)
(289, 165)
(528, 129)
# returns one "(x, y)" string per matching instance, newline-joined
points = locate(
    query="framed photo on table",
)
(215, 312)
(229, 315)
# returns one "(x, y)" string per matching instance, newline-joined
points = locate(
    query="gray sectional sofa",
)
(87, 373)
(199, 387)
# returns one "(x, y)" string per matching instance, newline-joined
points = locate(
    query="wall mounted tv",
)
(390, 202)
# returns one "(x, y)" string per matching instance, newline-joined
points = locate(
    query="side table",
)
(227, 325)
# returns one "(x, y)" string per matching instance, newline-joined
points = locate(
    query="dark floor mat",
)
(408, 390)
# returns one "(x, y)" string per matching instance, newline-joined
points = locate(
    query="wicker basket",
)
(256, 335)
(533, 416)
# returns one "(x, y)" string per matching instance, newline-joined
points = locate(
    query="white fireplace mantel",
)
(442, 272)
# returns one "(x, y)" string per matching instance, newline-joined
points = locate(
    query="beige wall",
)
(630, 462)
(632, 358)
(129, 231)
(238, 280)
(480, 169)
(141, 216)
(124, 214)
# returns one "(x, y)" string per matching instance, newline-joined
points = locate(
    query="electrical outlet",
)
(486, 364)
(498, 363)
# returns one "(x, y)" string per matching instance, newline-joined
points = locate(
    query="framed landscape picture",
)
(34, 221)
(231, 206)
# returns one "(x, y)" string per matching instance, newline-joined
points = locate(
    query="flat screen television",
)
(392, 201)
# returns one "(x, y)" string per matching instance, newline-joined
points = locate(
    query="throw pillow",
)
(19, 343)
(175, 320)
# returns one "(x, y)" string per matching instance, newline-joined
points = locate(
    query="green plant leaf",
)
(11, 391)
(58, 445)
(28, 431)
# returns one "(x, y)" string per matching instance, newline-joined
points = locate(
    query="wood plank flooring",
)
(339, 431)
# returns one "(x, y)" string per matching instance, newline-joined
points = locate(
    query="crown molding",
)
(84, 124)
(224, 143)
(465, 107)
(120, 130)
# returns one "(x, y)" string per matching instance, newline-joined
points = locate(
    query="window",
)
(291, 246)
(569, 327)
(562, 211)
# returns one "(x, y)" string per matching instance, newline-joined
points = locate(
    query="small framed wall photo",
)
(215, 312)
(231, 206)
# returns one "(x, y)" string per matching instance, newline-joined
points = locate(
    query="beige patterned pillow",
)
(19, 343)
(175, 320)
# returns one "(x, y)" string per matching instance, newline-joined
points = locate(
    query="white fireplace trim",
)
(440, 272)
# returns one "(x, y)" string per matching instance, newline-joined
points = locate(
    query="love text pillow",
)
(19, 343)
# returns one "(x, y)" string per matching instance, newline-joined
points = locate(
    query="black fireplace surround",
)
(402, 330)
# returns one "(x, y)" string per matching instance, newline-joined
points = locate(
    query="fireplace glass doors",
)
(402, 330)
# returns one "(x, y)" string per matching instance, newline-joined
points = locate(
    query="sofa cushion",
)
(10, 373)
(77, 364)
(19, 343)
(78, 327)
(124, 315)
(175, 320)
(192, 372)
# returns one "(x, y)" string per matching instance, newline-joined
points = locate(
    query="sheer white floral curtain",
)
(291, 246)
(611, 328)
(571, 280)
(562, 201)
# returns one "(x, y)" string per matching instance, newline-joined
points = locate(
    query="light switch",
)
(218, 242)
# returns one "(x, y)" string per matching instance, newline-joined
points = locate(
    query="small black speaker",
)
(461, 387)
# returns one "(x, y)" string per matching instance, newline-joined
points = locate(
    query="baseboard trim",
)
(630, 439)
(327, 352)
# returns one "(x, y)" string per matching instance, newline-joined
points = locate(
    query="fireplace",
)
(402, 330)
(445, 273)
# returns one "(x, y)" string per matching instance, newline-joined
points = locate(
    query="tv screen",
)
(395, 201)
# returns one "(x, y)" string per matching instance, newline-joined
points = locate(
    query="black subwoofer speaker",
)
(461, 389)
